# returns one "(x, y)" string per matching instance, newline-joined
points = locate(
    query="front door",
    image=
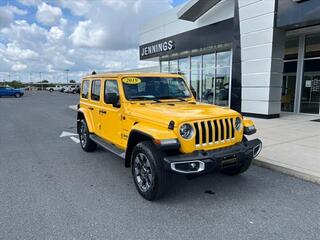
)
(110, 114)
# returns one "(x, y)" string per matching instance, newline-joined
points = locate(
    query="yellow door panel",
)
(110, 113)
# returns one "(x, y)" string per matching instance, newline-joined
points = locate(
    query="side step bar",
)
(108, 146)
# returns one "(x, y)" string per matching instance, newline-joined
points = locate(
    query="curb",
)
(289, 171)
(73, 108)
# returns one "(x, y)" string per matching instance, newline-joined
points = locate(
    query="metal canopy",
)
(195, 9)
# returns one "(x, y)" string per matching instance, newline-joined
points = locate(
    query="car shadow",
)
(202, 189)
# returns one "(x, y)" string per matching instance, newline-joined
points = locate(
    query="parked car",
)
(9, 91)
(154, 123)
(72, 89)
(55, 88)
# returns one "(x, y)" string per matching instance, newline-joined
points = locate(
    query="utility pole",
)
(67, 71)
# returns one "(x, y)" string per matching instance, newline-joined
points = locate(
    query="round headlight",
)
(186, 131)
(238, 124)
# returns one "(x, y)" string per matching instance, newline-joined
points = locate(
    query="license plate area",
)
(229, 161)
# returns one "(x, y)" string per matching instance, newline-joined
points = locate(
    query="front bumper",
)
(209, 161)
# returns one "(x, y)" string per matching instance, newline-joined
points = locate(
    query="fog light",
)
(188, 166)
(193, 165)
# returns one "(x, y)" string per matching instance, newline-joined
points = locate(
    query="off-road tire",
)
(159, 175)
(84, 136)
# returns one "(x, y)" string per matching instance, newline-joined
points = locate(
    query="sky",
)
(50, 36)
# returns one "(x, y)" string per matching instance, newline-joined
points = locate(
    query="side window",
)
(111, 92)
(85, 89)
(95, 90)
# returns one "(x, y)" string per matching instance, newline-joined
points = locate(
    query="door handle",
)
(91, 108)
(103, 112)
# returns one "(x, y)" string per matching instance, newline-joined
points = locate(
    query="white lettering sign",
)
(157, 48)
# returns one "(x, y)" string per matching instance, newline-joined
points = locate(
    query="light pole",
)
(67, 71)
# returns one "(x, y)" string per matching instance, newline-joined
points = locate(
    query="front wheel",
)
(86, 143)
(148, 172)
(17, 95)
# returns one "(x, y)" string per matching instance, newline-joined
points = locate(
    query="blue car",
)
(9, 91)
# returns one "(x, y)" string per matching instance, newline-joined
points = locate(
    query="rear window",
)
(85, 89)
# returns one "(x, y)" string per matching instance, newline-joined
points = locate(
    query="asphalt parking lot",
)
(51, 189)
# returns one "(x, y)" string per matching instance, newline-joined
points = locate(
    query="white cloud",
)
(18, 67)
(13, 52)
(86, 35)
(77, 8)
(115, 24)
(103, 36)
(48, 15)
(30, 2)
(56, 33)
(7, 14)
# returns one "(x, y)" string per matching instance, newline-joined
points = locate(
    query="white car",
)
(55, 88)
(72, 89)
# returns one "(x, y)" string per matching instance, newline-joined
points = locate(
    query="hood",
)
(177, 111)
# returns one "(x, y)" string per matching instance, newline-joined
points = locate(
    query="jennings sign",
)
(156, 48)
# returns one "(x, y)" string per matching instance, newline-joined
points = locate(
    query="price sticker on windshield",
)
(131, 80)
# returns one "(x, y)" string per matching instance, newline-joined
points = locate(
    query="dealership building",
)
(260, 57)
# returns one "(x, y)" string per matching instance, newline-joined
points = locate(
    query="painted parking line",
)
(70, 135)
(73, 107)
(76, 140)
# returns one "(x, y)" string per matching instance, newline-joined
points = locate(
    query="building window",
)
(208, 82)
(164, 66)
(208, 75)
(196, 63)
(173, 66)
(310, 87)
(184, 68)
(222, 80)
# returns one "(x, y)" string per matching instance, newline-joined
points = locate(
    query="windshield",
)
(152, 88)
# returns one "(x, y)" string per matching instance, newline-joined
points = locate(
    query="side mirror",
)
(112, 98)
(194, 93)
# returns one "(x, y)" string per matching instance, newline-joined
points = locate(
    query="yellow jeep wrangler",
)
(153, 122)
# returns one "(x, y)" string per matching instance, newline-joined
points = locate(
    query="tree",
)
(15, 84)
(72, 81)
(44, 81)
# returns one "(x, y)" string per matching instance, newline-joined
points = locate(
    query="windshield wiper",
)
(173, 97)
(145, 98)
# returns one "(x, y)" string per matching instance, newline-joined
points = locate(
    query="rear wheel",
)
(51, 90)
(148, 172)
(86, 143)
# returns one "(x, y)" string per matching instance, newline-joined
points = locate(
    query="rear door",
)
(95, 103)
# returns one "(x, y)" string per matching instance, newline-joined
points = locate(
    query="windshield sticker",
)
(131, 80)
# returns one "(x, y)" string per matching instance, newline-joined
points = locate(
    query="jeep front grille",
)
(214, 131)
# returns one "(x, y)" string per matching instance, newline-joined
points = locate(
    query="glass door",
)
(289, 74)
(310, 86)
